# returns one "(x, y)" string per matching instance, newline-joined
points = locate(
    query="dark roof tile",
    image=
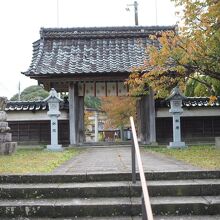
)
(91, 50)
(64, 105)
(26, 106)
(189, 102)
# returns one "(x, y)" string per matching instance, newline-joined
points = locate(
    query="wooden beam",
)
(95, 88)
(83, 77)
(117, 88)
(84, 88)
(106, 89)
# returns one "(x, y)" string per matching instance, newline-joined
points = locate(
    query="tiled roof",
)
(91, 50)
(25, 106)
(32, 106)
(189, 102)
(159, 103)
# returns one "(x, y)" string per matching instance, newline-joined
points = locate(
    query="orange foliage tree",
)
(118, 110)
(191, 53)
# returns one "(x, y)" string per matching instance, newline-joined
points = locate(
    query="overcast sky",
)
(21, 20)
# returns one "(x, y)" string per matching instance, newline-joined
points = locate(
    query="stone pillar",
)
(96, 126)
(53, 102)
(176, 128)
(54, 131)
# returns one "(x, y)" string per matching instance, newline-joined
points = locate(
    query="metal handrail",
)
(146, 206)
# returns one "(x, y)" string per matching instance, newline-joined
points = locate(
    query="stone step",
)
(105, 144)
(59, 178)
(66, 207)
(196, 187)
(97, 207)
(68, 190)
(194, 217)
(190, 205)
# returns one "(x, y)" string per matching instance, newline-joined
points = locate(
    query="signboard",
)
(102, 89)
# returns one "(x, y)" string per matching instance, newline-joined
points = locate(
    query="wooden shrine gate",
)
(95, 62)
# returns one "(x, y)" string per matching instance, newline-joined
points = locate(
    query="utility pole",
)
(135, 5)
(19, 91)
(156, 11)
(136, 12)
(57, 13)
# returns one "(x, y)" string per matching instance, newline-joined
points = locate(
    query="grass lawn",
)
(34, 160)
(207, 157)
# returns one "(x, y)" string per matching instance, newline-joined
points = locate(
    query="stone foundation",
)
(7, 148)
(217, 142)
(5, 137)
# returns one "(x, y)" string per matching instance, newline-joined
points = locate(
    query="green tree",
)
(195, 88)
(92, 102)
(191, 52)
(31, 93)
(37, 93)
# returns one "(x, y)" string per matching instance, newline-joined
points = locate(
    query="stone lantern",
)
(53, 102)
(176, 110)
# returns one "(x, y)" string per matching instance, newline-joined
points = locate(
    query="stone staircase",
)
(174, 195)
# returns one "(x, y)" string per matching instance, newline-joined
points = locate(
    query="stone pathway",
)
(116, 159)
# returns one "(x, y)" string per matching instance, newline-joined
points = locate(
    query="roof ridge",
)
(102, 31)
(109, 27)
(25, 102)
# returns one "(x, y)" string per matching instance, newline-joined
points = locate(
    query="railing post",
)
(146, 206)
(133, 161)
(144, 213)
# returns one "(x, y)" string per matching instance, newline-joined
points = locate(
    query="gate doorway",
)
(110, 123)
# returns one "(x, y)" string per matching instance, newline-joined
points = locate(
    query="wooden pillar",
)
(146, 119)
(73, 120)
(76, 115)
(81, 133)
(152, 118)
(138, 115)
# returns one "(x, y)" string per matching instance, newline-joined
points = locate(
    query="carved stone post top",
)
(53, 102)
(176, 98)
(53, 96)
(176, 94)
(3, 103)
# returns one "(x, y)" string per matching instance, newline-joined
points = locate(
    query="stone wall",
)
(7, 147)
